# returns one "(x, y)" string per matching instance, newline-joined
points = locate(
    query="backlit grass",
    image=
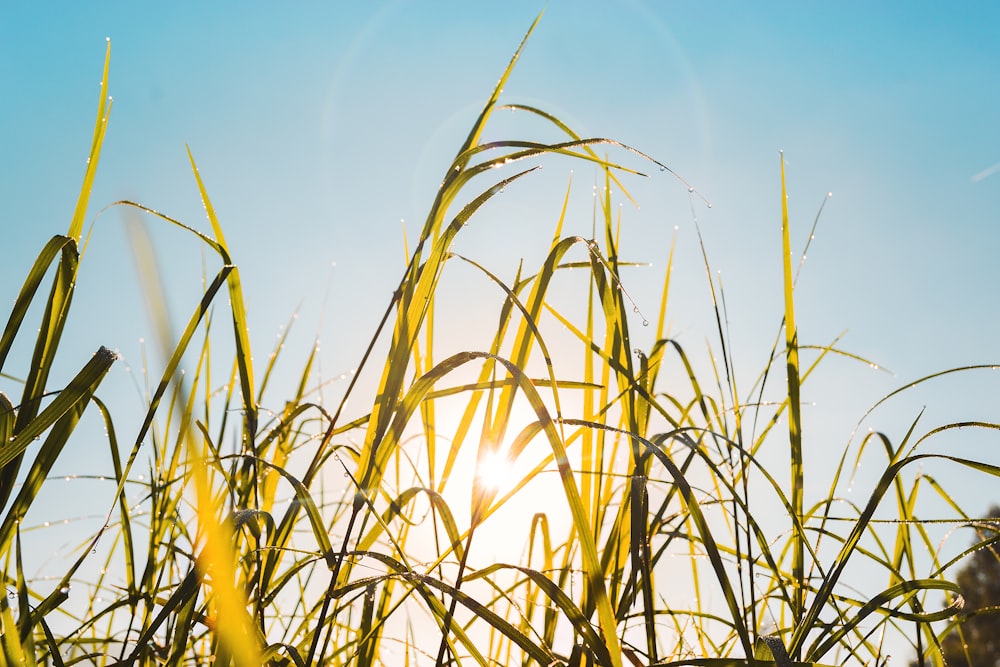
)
(320, 536)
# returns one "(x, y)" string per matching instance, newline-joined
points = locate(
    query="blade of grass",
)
(244, 356)
(794, 416)
(100, 127)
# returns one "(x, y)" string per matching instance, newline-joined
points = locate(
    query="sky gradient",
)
(323, 129)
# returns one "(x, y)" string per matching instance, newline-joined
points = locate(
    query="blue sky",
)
(318, 127)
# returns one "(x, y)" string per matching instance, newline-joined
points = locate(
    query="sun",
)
(494, 471)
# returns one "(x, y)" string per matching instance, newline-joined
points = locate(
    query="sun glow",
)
(495, 471)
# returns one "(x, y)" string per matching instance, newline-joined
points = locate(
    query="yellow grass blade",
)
(100, 127)
(244, 356)
(794, 413)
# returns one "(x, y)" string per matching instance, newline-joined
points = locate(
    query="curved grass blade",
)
(55, 245)
(880, 602)
(564, 603)
(885, 483)
(244, 357)
(73, 397)
(705, 532)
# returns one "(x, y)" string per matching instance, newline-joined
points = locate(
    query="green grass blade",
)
(881, 602)
(794, 412)
(477, 129)
(75, 395)
(24, 298)
(705, 532)
(412, 309)
(7, 417)
(825, 590)
(100, 127)
(244, 356)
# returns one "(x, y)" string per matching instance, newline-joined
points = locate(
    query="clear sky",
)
(318, 127)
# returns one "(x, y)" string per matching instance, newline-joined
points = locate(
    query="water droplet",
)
(635, 309)
(64, 590)
(690, 189)
(710, 204)
(662, 168)
(645, 323)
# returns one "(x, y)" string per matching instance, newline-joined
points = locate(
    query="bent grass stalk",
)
(250, 551)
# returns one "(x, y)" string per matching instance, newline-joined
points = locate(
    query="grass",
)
(315, 536)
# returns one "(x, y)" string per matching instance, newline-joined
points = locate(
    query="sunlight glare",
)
(494, 471)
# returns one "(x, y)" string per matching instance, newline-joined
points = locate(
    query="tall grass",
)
(319, 537)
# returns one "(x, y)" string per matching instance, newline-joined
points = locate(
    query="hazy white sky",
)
(318, 127)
